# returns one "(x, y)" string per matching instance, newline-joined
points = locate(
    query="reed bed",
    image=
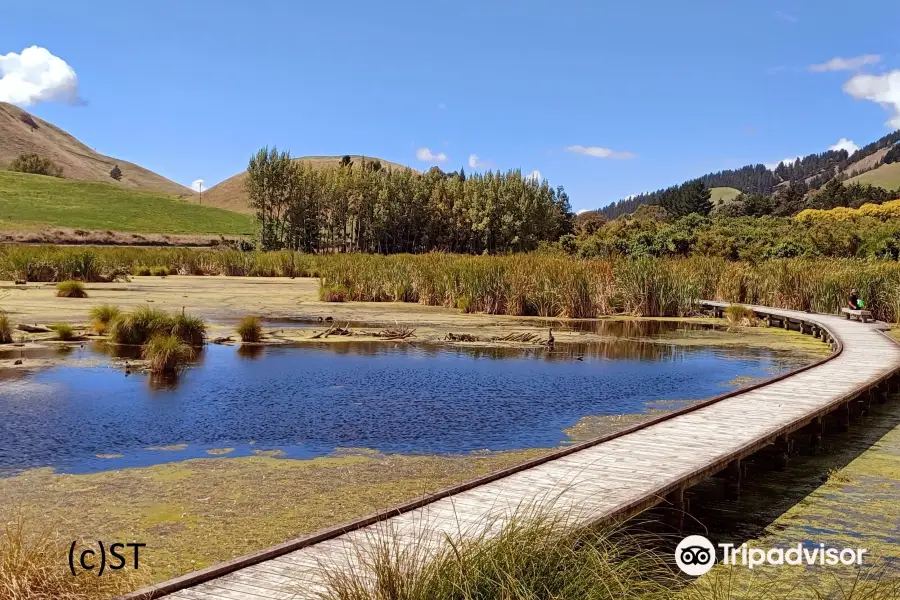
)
(5, 329)
(549, 285)
(142, 324)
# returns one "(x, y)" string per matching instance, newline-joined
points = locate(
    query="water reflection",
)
(307, 400)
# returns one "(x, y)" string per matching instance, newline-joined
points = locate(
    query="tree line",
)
(364, 207)
(811, 172)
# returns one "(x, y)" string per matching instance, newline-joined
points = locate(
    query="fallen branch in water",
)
(334, 330)
(461, 337)
(399, 333)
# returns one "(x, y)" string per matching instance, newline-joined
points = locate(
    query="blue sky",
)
(669, 89)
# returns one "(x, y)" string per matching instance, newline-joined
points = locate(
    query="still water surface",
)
(307, 401)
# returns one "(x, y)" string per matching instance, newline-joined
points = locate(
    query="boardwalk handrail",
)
(224, 568)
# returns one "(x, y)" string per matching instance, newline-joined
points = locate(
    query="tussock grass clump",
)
(166, 353)
(159, 271)
(138, 326)
(5, 330)
(333, 293)
(140, 270)
(64, 332)
(189, 329)
(102, 316)
(250, 329)
(31, 569)
(70, 289)
(738, 314)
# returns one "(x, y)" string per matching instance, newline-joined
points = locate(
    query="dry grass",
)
(333, 293)
(78, 160)
(102, 317)
(70, 289)
(33, 567)
(138, 326)
(250, 329)
(189, 329)
(5, 330)
(738, 314)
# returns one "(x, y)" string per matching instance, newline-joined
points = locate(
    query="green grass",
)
(37, 201)
(723, 194)
(189, 329)
(885, 176)
(137, 327)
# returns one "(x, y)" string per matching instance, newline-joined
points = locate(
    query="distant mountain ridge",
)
(814, 170)
(21, 133)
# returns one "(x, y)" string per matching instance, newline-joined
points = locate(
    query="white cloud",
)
(839, 63)
(784, 161)
(845, 144)
(883, 89)
(477, 163)
(534, 176)
(598, 152)
(786, 17)
(426, 155)
(35, 76)
(197, 185)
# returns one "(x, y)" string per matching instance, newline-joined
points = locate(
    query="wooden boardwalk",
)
(612, 478)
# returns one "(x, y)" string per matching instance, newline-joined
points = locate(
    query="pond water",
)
(306, 401)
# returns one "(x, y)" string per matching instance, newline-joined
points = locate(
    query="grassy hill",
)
(36, 202)
(22, 132)
(231, 194)
(718, 195)
(886, 176)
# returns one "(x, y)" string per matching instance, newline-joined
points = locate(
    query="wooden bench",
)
(860, 314)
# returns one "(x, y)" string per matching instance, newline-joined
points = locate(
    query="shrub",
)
(64, 332)
(140, 270)
(333, 293)
(116, 173)
(189, 329)
(159, 271)
(166, 353)
(737, 314)
(139, 326)
(5, 330)
(102, 316)
(250, 329)
(35, 164)
(70, 289)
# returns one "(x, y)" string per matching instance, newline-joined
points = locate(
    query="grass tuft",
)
(250, 329)
(137, 327)
(159, 271)
(102, 316)
(189, 329)
(5, 330)
(64, 332)
(738, 314)
(70, 289)
(166, 353)
(140, 270)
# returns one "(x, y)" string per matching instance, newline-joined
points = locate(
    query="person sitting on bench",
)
(853, 300)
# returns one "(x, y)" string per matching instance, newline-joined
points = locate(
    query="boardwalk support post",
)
(733, 480)
(843, 417)
(678, 506)
(816, 428)
(782, 452)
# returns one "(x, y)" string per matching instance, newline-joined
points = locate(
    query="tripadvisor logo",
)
(696, 555)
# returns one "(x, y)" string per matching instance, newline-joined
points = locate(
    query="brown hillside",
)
(231, 194)
(18, 136)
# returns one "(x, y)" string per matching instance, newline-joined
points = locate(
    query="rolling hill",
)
(886, 176)
(22, 132)
(37, 202)
(718, 195)
(232, 195)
